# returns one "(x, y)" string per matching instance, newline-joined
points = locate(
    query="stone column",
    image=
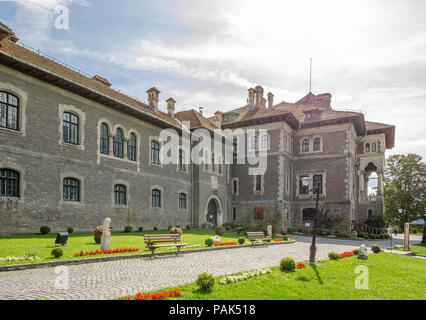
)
(111, 144)
(125, 140)
(379, 183)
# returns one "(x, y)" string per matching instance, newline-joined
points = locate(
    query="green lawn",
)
(417, 249)
(391, 276)
(42, 245)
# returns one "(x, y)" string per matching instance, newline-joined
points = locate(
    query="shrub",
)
(376, 221)
(355, 251)
(323, 233)
(287, 264)
(169, 227)
(176, 230)
(241, 240)
(128, 229)
(70, 230)
(220, 231)
(333, 256)
(375, 248)
(290, 230)
(205, 281)
(209, 242)
(57, 252)
(300, 230)
(177, 226)
(45, 230)
(363, 235)
(188, 227)
(140, 229)
(345, 235)
(155, 228)
(285, 238)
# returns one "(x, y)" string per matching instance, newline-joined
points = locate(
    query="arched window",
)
(9, 109)
(317, 144)
(265, 142)
(305, 145)
(120, 194)
(118, 143)
(182, 200)
(104, 142)
(213, 167)
(367, 147)
(70, 128)
(9, 183)
(156, 198)
(131, 147)
(155, 152)
(71, 189)
(373, 147)
(254, 143)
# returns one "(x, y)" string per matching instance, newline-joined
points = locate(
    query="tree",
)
(405, 186)
(328, 221)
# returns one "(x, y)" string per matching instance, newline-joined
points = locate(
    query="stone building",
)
(73, 151)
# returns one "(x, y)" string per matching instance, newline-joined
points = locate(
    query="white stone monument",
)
(216, 239)
(269, 230)
(362, 254)
(106, 234)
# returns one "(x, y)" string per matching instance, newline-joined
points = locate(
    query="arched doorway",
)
(212, 211)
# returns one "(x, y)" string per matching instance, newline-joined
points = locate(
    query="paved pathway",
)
(108, 280)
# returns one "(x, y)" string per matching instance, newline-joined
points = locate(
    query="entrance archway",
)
(214, 211)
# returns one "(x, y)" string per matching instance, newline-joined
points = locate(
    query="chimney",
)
(102, 80)
(200, 110)
(218, 116)
(153, 95)
(171, 107)
(6, 32)
(323, 100)
(250, 101)
(270, 100)
(259, 96)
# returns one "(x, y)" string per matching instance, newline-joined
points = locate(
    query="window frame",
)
(159, 206)
(118, 146)
(308, 145)
(120, 194)
(132, 150)
(66, 189)
(157, 161)
(104, 141)
(13, 180)
(181, 199)
(9, 105)
(70, 125)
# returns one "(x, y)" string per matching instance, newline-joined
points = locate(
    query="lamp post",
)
(313, 248)
(424, 228)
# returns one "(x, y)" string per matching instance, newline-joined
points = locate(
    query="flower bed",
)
(278, 240)
(218, 244)
(108, 251)
(301, 265)
(161, 295)
(346, 254)
(244, 276)
(23, 258)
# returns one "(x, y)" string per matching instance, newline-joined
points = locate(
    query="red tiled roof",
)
(196, 120)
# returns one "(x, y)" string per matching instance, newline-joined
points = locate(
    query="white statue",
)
(269, 230)
(363, 253)
(216, 239)
(106, 234)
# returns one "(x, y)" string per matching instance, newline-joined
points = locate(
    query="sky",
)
(369, 54)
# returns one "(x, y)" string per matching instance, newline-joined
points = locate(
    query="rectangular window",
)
(317, 183)
(235, 186)
(182, 160)
(258, 183)
(287, 183)
(302, 188)
(234, 213)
